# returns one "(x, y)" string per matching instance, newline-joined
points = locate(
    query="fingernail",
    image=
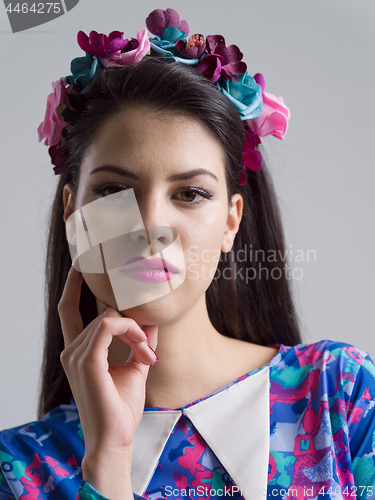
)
(144, 332)
(157, 359)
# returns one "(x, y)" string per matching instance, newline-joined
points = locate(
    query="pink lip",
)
(149, 270)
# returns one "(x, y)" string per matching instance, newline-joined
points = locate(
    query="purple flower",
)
(216, 46)
(58, 158)
(228, 60)
(251, 158)
(235, 67)
(160, 19)
(100, 45)
(210, 66)
(132, 45)
(193, 48)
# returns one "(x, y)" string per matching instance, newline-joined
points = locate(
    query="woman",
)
(159, 158)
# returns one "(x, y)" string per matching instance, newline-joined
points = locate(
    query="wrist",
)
(109, 473)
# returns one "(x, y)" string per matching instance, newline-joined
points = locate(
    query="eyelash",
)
(100, 188)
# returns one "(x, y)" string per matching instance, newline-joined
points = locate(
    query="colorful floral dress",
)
(300, 427)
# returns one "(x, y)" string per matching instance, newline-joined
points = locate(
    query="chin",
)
(155, 312)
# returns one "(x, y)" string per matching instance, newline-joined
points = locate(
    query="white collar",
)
(235, 423)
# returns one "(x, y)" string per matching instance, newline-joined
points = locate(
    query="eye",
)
(189, 194)
(110, 188)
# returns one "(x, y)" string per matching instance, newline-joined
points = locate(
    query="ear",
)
(68, 201)
(68, 210)
(233, 222)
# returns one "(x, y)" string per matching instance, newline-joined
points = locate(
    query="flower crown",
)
(262, 113)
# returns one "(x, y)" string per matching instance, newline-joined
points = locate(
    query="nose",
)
(157, 234)
(156, 237)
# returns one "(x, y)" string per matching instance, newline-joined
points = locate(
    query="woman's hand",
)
(110, 399)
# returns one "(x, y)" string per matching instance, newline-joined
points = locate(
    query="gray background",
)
(318, 55)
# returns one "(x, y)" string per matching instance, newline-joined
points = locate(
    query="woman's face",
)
(176, 170)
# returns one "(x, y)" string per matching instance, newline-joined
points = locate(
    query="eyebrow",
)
(183, 176)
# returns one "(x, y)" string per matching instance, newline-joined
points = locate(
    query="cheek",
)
(100, 286)
(203, 246)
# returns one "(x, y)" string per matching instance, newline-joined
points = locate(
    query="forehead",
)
(142, 138)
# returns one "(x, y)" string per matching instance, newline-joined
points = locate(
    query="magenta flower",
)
(193, 49)
(274, 117)
(101, 45)
(160, 19)
(52, 126)
(139, 48)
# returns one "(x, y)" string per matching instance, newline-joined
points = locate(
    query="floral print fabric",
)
(322, 439)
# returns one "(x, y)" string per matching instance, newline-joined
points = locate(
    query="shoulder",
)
(323, 348)
(63, 420)
(338, 364)
(51, 448)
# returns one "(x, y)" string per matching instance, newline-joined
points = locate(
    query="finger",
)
(151, 331)
(141, 352)
(84, 338)
(128, 331)
(68, 307)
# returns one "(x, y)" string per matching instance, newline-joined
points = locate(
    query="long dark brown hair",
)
(258, 309)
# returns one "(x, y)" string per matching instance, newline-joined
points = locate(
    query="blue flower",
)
(245, 95)
(83, 71)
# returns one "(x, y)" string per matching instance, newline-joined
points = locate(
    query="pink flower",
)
(50, 129)
(273, 120)
(160, 19)
(118, 59)
(101, 45)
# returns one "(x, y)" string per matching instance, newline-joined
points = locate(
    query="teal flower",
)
(245, 94)
(173, 35)
(167, 42)
(160, 50)
(164, 43)
(83, 71)
(166, 47)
